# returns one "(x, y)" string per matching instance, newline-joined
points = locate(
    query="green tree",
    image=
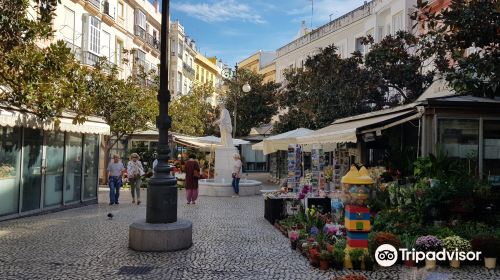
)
(253, 108)
(464, 40)
(44, 80)
(192, 114)
(128, 106)
(396, 65)
(327, 88)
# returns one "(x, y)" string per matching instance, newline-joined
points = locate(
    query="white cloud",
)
(220, 11)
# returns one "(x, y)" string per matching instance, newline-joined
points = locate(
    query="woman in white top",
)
(236, 173)
(135, 171)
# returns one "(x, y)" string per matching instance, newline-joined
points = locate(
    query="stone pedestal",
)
(224, 163)
(147, 237)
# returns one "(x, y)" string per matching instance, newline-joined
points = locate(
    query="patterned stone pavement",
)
(231, 241)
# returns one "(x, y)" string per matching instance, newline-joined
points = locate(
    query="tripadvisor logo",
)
(386, 255)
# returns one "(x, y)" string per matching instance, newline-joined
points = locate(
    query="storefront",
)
(43, 168)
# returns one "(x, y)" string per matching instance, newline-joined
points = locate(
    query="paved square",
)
(232, 240)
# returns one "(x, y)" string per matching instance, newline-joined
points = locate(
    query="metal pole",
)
(162, 190)
(236, 99)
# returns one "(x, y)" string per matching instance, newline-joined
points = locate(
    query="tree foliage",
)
(465, 42)
(192, 114)
(253, 108)
(327, 88)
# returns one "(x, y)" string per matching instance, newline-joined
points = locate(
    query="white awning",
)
(281, 141)
(345, 130)
(12, 118)
(205, 143)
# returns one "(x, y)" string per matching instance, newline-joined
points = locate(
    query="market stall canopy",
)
(11, 117)
(346, 130)
(281, 141)
(204, 143)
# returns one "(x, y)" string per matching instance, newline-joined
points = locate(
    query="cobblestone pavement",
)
(231, 241)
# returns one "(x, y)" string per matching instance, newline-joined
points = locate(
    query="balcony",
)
(140, 32)
(89, 58)
(189, 71)
(153, 42)
(96, 3)
(75, 50)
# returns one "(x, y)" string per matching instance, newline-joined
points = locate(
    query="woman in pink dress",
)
(192, 175)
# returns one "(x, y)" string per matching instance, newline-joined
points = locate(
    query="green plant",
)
(488, 245)
(408, 241)
(338, 255)
(455, 242)
(356, 254)
(325, 255)
(340, 244)
(443, 232)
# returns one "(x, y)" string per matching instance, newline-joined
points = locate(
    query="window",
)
(120, 9)
(95, 35)
(491, 151)
(68, 30)
(359, 45)
(185, 88)
(140, 19)
(140, 57)
(119, 52)
(397, 22)
(459, 137)
(105, 46)
(10, 161)
(388, 29)
(179, 82)
(181, 48)
(91, 167)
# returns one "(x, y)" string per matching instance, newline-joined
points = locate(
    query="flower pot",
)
(490, 263)
(356, 265)
(338, 265)
(455, 263)
(410, 263)
(324, 265)
(314, 262)
(430, 264)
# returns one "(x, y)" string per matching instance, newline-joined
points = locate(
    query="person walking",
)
(115, 172)
(192, 175)
(236, 174)
(135, 171)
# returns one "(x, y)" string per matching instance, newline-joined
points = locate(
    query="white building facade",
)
(377, 18)
(182, 61)
(105, 28)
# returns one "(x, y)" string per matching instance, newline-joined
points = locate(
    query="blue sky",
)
(234, 29)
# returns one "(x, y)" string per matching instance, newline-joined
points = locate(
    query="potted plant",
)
(324, 260)
(369, 262)
(408, 242)
(453, 243)
(428, 243)
(489, 246)
(356, 256)
(380, 238)
(338, 258)
(314, 257)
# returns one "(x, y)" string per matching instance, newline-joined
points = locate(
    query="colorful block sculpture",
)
(357, 215)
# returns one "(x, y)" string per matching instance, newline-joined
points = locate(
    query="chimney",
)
(156, 4)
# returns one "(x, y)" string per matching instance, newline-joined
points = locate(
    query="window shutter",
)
(85, 31)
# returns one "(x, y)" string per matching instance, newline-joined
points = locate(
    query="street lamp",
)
(162, 231)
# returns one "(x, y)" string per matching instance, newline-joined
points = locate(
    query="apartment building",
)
(262, 63)
(182, 60)
(105, 28)
(207, 71)
(377, 18)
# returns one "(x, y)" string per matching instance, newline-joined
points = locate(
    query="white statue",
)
(225, 126)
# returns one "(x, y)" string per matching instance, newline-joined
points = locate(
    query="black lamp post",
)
(162, 190)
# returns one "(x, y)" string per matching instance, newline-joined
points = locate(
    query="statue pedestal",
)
(224, 163)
